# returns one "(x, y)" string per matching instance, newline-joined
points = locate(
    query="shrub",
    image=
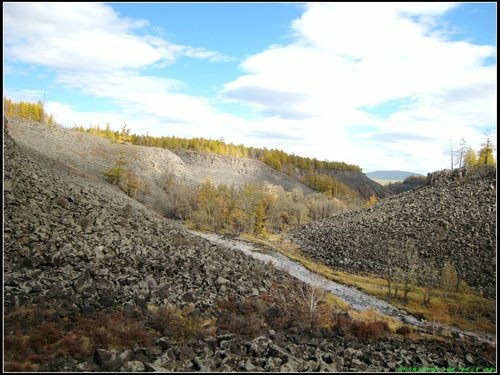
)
(116, 173)
(131, 184)
(180, 324)
(75, 346)
(61, 201)
(30, 340)
(371, 330)
(403, 330)
(463, 288)
(243, 325)
(344, 324)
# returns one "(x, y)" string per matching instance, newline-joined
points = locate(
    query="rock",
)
(107, 359)
(249, 366)
(221, 281)
(259, 346)
(204, 365)
(273, 364)
(149, 367)
(186, 354)
(469, 359)
(88, 366)
(133, 366)
(184, 365)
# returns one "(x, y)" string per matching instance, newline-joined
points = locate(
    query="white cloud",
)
(94, 50)
(313, 95)
(348, 57)
(86, 37)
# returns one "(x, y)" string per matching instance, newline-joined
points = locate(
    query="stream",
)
(357, 299)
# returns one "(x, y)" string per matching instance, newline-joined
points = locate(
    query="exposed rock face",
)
(452, 219)
(91, 155)
(239, 171)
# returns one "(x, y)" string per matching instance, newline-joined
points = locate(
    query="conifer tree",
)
(486, 156)
(470, 157)
(116, 173)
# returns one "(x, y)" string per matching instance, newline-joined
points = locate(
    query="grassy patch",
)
(466, 311)
(371, 316)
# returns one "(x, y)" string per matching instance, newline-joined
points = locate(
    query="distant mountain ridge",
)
(391, 175)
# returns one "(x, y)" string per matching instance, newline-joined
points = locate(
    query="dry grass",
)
(371, 316)
(180, 323)
(465, 310)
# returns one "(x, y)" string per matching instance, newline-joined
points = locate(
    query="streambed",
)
(357, 299)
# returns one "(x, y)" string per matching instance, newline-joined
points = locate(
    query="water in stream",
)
(357, 299)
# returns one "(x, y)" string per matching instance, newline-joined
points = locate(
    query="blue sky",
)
(383, 86)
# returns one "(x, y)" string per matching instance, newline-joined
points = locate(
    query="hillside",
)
(390, 175)
(324, 176)
(91, 155)
(360, 183)
(96, 281)
(452, 219)
(230, 170)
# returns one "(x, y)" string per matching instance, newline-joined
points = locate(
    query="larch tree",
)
(486, 156)
(470, 157)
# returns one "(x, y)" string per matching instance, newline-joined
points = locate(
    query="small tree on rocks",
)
(116, 173)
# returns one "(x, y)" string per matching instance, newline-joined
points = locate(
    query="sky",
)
(385, 86)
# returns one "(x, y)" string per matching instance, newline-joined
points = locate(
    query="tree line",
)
(465, 156)
(276, 159)
(29, 111)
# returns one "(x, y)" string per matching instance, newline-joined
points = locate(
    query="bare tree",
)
(310, 297)
(409, 267)
(460, 153)
(392, 256)
(299, 301)
(428, 279)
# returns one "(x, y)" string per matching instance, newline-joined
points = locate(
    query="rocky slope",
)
(358, 182)
(93, 155)
(238, 171)
(74, 241)
(452, 219)
(406, 185)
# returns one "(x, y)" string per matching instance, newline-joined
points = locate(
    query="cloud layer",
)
(320, 96)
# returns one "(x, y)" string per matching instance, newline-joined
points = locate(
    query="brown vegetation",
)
(35, 335)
